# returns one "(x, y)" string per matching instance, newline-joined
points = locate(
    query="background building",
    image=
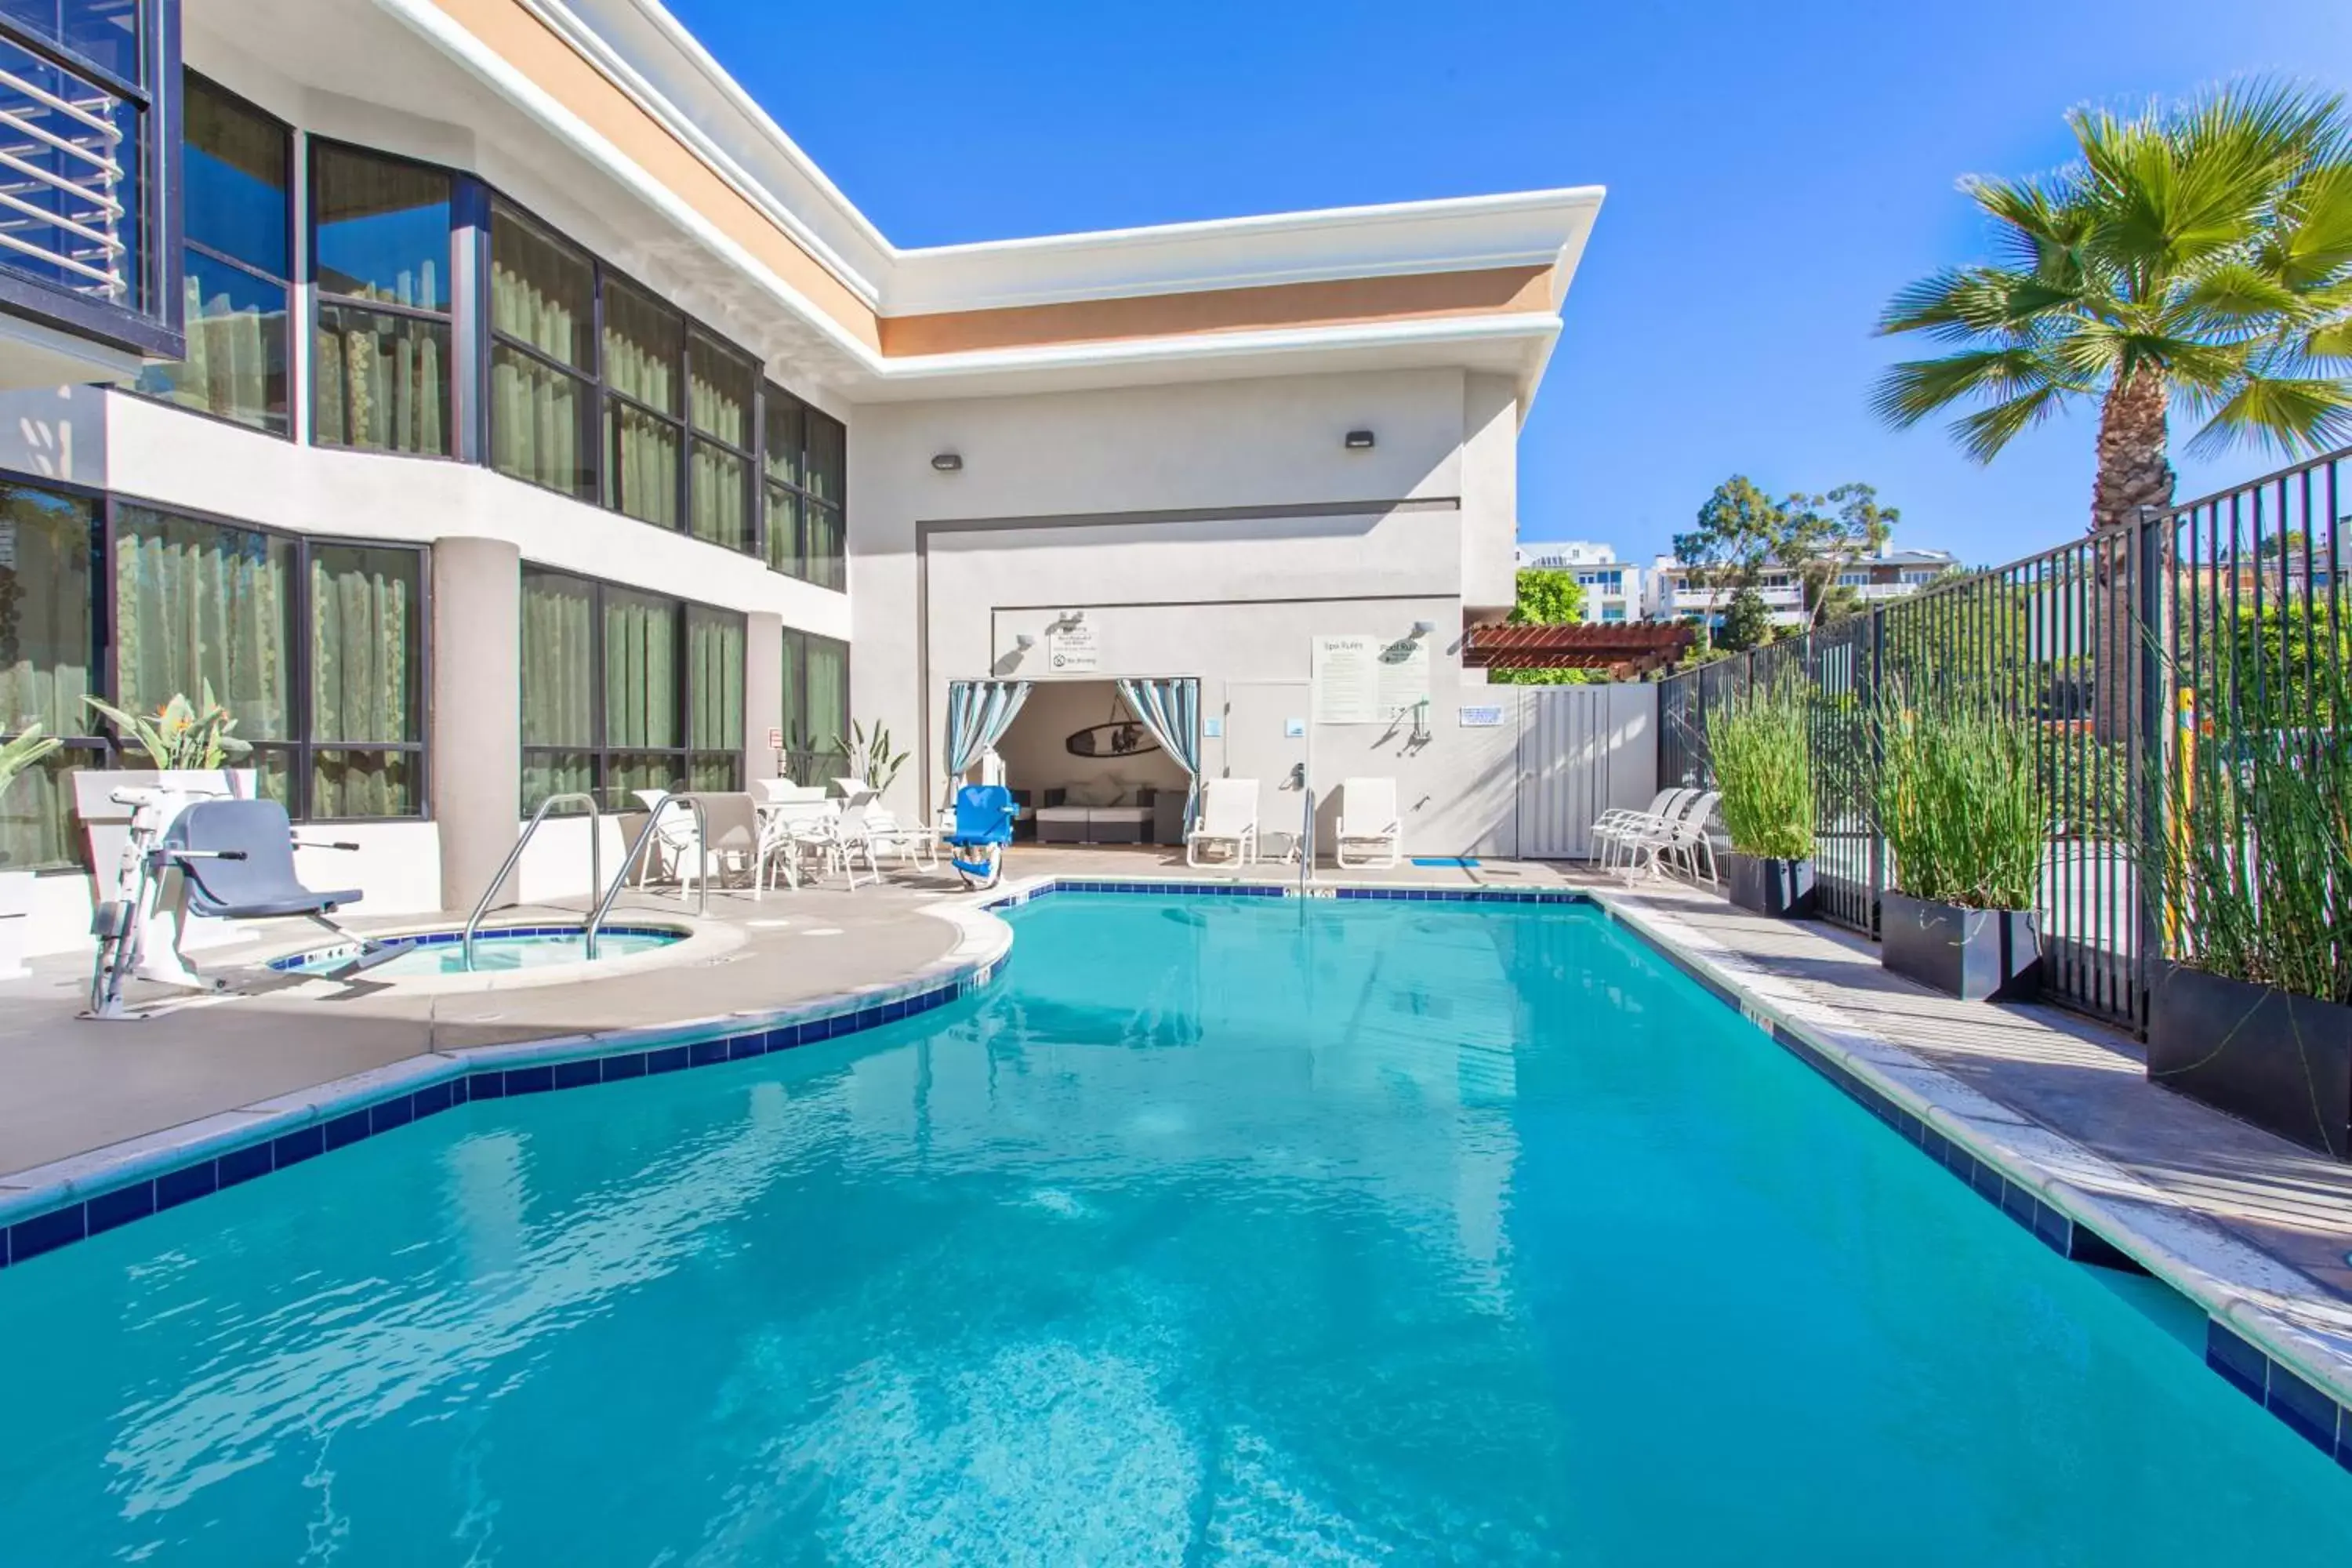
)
(1613, 585)
(1890, 574)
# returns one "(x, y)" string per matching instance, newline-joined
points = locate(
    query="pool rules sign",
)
(1071, 649)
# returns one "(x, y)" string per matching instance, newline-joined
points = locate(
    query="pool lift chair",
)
(983, 827)
(192, 852)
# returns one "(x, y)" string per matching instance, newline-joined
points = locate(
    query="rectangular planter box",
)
(1976, 956)
(1778, 888)
(2281, 1062)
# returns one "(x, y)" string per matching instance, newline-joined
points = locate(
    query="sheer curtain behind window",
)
(828, 695)
(558, 671)
(715, 678)
(196, 605)
(543, 296)
(365, 640)
(46, 642)
(641, 672)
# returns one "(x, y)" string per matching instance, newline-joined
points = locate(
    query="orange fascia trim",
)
(1348, 302)
(526, 43)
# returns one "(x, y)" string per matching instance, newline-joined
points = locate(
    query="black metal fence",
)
(2221, 624)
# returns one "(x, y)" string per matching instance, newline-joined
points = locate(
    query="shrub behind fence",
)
(2140, 655)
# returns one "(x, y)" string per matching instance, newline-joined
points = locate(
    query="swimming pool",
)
(1219, 1230)
(439, 952)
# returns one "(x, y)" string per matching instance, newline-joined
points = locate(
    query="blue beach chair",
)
(983, 826)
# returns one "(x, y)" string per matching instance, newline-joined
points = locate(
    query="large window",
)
(315, 646)
(624, 690)
(815, 716)
(380, 253)
(542, 358)
(645, 437)
(720, 386)
(806, 466)
(237, 266)
(48, 654)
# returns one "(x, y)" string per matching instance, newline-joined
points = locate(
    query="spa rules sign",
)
(1369, 679)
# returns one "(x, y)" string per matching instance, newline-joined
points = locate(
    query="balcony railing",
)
(62, 216)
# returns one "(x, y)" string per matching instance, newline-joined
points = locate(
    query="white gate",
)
(1584, 750)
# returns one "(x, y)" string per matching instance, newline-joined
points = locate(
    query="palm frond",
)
(1982, 435)
(1913, 389)
(2291, 415)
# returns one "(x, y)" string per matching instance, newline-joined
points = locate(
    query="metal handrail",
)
(636, 849)
(514, 858)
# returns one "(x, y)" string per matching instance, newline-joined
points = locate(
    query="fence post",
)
(1867, 710)
(2151, 731)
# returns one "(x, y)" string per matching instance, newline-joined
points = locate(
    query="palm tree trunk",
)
(2134, 472)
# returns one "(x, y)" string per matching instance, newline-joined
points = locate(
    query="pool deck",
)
(2266, 1225)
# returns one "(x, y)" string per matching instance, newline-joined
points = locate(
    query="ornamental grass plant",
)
(1957, 795)
(1760, 747)
(2253, 852)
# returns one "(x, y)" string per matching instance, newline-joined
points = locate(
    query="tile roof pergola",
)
(1626, 649)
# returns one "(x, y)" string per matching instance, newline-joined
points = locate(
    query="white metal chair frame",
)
(1685, 835)
(1244, 839)
(1389, 835)
(1613, 831)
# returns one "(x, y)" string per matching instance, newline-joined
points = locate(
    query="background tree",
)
(1746, 622)
(1825, 534)
(1546, 597)
(2198, 256)
(1743, 533)
(1740, 534)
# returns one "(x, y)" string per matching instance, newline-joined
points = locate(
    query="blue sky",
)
(1774, 172)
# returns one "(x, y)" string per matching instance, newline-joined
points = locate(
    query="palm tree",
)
(2198, 257)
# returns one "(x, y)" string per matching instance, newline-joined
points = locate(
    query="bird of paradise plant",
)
(180, 734)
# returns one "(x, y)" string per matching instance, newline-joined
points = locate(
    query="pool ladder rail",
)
(608, 893)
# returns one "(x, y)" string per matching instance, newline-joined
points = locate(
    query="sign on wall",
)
(1481, 718)
(1071, 649)
(1369, 679)
(1347, 681)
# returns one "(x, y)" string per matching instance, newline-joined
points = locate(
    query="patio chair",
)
(916, 842)
(1367, 819)
(1228, 816)
(795, 826)
(1685, 836)
(850, 835)
(1612, 829)
(732, 822)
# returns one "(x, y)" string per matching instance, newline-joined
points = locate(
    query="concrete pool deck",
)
(2060, 1101)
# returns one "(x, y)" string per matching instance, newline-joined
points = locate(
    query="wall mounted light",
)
(1360, 440)
(947, 462)
(1025, 639)
(1422, 629)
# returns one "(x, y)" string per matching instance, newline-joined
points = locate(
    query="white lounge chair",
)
(1368, 817)
(1684, 834)
(1228, 818)
(1615, 831)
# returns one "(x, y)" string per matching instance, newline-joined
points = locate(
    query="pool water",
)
(493, 951)
(1221, 1231)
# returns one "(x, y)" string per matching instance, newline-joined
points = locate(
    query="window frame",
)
(492, 338)
(461, 298)
(296, 173)
(802, 493)
(302, 750)
(599, 750)
(796, 749)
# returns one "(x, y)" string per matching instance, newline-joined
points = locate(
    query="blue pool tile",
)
(244, 1164)
(1932, 1144)
(436, 1098)
(1988, 1182)
(137, 1201)
(576, 1075)
(529, 1081)
(174, 1188)
(486, 1086)
(2236, 1359)
(817, 1029)
(894, 1011)
(2017, 1202)
(397, 1112)
(708, 1051)
(292, 1148)
(2305, 1409)
(629, 1064)
(783, 1036)
(741, 1045)
(2056, 1231)
(349, 1128)
(46, 1232)
(669, 1058)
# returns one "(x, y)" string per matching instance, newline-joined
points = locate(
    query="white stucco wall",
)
(1206, 531)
